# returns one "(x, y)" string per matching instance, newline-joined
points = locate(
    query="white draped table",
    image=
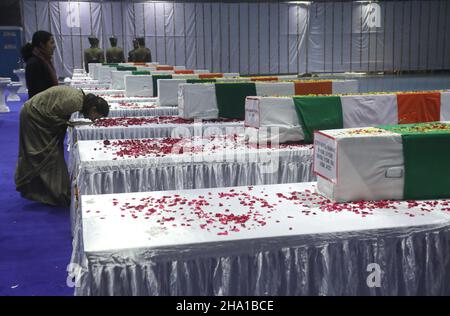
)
(106, 92)
(140, 165)
(124, 109)
(149, 127)
(260, 240)
(122, 98)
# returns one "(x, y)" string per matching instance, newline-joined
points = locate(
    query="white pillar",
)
(13, 88)
(3, 83)
(20, 73)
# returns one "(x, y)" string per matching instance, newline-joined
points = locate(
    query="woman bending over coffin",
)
(41, 172)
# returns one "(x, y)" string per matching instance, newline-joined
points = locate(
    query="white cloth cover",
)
(104, 73)
(197, 101)
(201, 71)
(76, 78)
(345, 86)
(293, 253)
(141, 109)
(78, 72)
(168, 91)
(233, 79)
(268, 89)
(118, 79)
(288, 77)
(90, 85)
(230, 74)
(219, 163)
(369, 110)
(87, 132)
(162, 72)
(216, 164)
(138, 86)
(4, 82)
(445, 106)
(93, 70)
(145, 68)
(362, 165)
(105, 92)
(275, 120)
(120, 98)
(183, 76)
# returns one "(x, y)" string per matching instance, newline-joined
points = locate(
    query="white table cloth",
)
(261, 240)
(89, 85)
(119, 166)
(115, 98)
(124, 109)
(148, 127)
(105, 92)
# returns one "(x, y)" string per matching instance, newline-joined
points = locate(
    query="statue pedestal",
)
(4, 82)
(13, 88)
(20, 73)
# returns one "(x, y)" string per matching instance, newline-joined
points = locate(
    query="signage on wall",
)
(73, 18)
(374, 15)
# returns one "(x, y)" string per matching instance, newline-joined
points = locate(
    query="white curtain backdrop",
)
(272, 37)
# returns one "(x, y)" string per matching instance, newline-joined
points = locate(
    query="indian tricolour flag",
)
(333, 112)
(406, 161)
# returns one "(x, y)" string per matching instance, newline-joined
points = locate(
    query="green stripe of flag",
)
(126, 68)
(426, 153)
(231, 98)
(206, 80)
(318, 113)
(141, 72)
(155, 79)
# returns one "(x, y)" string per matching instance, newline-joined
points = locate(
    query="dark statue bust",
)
(94, 54)
(114, 54)
(142, 53)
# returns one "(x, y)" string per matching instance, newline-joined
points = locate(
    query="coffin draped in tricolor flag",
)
(298, 117)
(400, 162)
(227, 100)
(145, 83)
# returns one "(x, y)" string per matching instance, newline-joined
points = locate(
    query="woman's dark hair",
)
(39, 37)
(90, 101)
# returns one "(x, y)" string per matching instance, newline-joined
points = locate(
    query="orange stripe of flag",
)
(418, 107)
(264, 78)
(210, 75)
(185, 72)
(164, 67)
(318, 87)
